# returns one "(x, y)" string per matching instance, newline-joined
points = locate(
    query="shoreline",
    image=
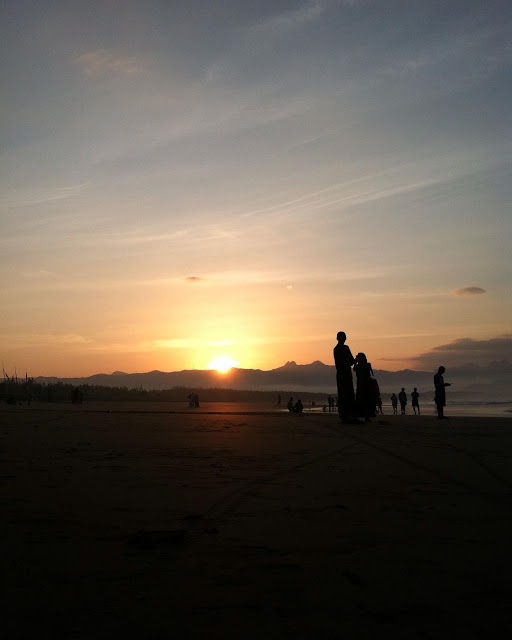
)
(459, 410)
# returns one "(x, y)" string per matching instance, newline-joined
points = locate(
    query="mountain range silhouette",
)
(486, 383)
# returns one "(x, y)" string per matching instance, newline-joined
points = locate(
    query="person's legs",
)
(346, 396)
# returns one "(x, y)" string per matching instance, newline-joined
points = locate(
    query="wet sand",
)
(253, 525)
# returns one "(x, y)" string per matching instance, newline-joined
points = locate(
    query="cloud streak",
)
(288, 22)
(469, 291)
(38, 339)
(102, 62)
(43, 196)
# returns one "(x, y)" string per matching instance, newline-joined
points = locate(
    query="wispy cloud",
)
(287, 22)
(170, 343)
(32, 197)
(293, 20)
(402, 179)
(178, 344)
(102, 62)
(444, 50)
(35, 339)
(469, 291)
(219, 279)
(186, 343)
(37, 274)
(345, 198)
(157, 344)
(132, 237)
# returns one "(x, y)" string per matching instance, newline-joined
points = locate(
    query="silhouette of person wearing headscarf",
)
(365, 394)
(344, 360)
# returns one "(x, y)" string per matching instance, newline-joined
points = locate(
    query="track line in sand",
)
(232, 500)
(195, 526)
(447, 477)
(227, 503)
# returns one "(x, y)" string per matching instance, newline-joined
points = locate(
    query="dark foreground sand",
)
(162, 525)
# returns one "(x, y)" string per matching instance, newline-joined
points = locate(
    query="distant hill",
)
(490, 383)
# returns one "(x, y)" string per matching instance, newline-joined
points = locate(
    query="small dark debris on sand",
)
(151, 539)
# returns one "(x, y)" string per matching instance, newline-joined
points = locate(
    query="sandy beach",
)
(253, 524)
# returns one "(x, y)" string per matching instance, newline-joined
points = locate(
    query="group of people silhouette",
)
(362, 405)
(295, 407)
(402, 398)
(193, 400)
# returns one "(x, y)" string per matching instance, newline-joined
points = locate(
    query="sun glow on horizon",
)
(222, 364)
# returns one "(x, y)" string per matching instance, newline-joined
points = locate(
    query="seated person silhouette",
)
(298, 408)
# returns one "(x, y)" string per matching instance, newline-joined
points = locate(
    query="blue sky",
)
(188, 180)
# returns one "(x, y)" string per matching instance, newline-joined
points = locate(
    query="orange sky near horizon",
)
(256, 340)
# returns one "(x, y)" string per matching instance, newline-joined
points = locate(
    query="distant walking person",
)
(394, 403)
(344, 360)
(402, 398)
(440, 397)
(415, 401)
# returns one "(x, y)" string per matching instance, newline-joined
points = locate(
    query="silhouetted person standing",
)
(365, 397)
(440, 397)
(344, 360)
(290, 405)
(415, 401)
(394, 403)
(376, 396)
(402, 398)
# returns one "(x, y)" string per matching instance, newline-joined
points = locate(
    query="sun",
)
(222, 364)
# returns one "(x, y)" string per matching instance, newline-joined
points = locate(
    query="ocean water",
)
(503, 409)
(476, 409)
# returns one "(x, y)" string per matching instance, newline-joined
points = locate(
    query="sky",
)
(188, 180)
